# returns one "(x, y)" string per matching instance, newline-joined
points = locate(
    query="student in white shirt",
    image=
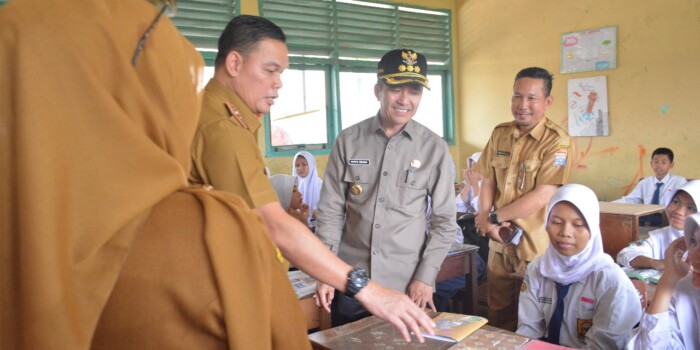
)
(649, 253)
(671, 321)
(467, 200)
(601, 305)
(643, 193)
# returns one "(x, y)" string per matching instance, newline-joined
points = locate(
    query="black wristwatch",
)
(493, 218)
(357, 279)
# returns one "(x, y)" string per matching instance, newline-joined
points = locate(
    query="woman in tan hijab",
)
(101, 242)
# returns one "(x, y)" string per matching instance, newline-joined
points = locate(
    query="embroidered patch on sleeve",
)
(560, 157)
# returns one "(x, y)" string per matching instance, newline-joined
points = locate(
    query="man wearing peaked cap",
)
(374, 196)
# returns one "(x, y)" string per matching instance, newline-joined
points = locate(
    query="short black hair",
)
(538, 73)
(243, 33)
(663, 150)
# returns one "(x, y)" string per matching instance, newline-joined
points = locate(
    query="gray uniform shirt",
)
(374, 198)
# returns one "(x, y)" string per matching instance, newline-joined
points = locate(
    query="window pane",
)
(357, 101)
(298, 116)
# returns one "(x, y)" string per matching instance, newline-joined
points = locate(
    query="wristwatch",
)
(357, 279)
(493, 218)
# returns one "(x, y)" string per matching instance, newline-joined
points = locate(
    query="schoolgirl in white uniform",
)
(575, 295)
(649, 253)
(671, 321)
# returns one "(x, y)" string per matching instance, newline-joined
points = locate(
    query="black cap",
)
(403, 66)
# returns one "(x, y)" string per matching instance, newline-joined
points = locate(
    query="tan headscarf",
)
(88, 144)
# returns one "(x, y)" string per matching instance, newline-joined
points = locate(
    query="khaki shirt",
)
(374, 200)
(517, 164)
(225, 151)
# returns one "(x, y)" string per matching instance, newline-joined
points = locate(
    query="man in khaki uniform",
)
(523, 164)
(252, 56)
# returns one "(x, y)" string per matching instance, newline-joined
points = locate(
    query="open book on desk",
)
(303, 284)
(455, 327)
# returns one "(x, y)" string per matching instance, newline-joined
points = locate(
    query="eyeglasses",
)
(170, 7)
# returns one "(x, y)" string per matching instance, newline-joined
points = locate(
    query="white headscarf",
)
(569, 269)
(474, 157)
(309, 186)
(692, 188)
(283, 185)
(691, 223)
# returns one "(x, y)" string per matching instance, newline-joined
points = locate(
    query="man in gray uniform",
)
(375, 193)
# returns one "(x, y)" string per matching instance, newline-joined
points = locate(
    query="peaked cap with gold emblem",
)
(403, 66)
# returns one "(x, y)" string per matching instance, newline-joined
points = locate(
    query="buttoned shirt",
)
(676, 328)
(225, 152)
(374, 199)
(653, 247)
(644, 191)
(599, 313)
(517, 164)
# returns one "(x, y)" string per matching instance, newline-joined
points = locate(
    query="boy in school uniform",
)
(649, 253)
(651, 190)
(574, 294)
(671, 321)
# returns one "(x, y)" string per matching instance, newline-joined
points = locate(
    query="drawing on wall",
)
(588, 106)
(589, 50)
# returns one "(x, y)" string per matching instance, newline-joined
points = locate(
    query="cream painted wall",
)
(650, 93)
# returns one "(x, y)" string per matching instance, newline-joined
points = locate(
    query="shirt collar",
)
(224, 93)
(537, 132)
(408, 129)
(664, 180)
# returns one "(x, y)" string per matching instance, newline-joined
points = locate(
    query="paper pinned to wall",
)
(589, 50)
(588, 106)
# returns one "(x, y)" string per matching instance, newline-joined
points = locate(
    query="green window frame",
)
(350, 36)
(202, 21)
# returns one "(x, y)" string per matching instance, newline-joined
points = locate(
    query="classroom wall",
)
(651, 93)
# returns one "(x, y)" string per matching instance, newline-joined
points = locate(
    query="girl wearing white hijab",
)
(290, 198)
(575, 295)
(304, 168)
(468, 199)
(649, 253)
(671, 321)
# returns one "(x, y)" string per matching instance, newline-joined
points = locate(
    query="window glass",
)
(298, 116)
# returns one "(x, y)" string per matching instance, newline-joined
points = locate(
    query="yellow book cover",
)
(455, 327)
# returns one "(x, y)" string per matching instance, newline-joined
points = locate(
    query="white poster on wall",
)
(588, 106)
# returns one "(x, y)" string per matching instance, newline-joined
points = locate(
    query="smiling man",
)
(375, 190)
(523, 164)
(252, 55)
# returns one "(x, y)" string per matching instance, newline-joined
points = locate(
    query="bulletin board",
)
(589, 50)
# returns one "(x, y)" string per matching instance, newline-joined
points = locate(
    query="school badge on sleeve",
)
(560, 156)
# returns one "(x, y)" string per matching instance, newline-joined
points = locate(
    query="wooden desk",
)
(375, 333)
(461, 260)
(619, 224)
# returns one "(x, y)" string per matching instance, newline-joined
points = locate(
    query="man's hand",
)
(485, 228)
(396, 308)
(421, 294)
(324, 296)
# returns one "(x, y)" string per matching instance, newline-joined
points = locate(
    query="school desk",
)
(461, 260)
(619, 224)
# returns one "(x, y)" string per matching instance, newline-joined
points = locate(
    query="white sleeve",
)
(461, 208)
(634, 250)
(617, 311)
(634, 197)
(531, 321)
(652, 334)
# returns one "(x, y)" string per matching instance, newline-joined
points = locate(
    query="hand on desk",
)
(421, 294)
(396, 308)
(387, 304)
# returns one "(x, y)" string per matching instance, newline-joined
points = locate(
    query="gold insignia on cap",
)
(416, 69)
(409, 57)
(356, 189)
(402, 68)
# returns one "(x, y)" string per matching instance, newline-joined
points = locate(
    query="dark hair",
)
(538, 73)
(663, 150)
(243, 33)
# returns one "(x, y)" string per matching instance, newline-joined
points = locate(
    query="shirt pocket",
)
(528, 174)
(585, 309)
(412, 185)
(500, 168)
(360, 180)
